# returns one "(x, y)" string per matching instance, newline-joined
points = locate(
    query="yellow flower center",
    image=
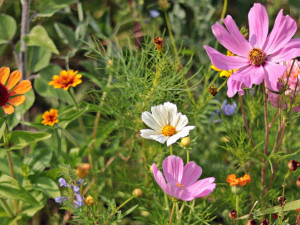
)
(168, 130)
(256, 56)
(179, 185)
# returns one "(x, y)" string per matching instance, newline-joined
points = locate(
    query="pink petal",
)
(191, 173)
(234, 87)
(289, 51)
(258, 25)
(173, 169)
(241, 43)
(179, 192)
(159, 178)
(202, 187)
(272, 72)
(224, 62)
(284, 29)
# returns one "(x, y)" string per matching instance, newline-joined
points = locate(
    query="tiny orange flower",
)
(89, 200)
(66, 79)
(11, 90)
(83, 170)
(50, 117)
(232, 180)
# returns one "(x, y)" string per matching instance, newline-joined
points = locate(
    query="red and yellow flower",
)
(50, 117)
(11, 90)
(66, 79)
(233, 181)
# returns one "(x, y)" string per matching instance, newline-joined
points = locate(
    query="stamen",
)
(256, 56)
(168, 130)
(179, 185)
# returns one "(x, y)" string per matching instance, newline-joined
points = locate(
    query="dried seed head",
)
(265, 222)
(213, 90)
(232, 214)
(281, 200)
(158, 43)
(251, 222)
(292, 165)
(298, 181)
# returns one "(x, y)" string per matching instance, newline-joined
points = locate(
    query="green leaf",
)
(38, 36)
(47, 186)
(20, 139)
(66, 34)
(38, 58)
(11, 189)
(2, 127)
(38, 160)
(47, 8)
(70, 114)
(14, 119)
(8, 28)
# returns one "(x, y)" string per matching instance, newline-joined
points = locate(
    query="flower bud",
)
(110, 63)
(251, 222)
(89, 200)
(237, 190)
(83, 170)
(281, 200)
(275, 216)
(265, 222)
(298, 181)
(232, 214)
(158, 43)
(213, 90)
(292, 165)
(145, 213)
(137, 192)
(185, 141)
(163, 4)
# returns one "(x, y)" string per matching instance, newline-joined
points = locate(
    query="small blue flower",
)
(60, 199)
(154, 13)
(228, 109)
(80, 181)
(76, 189)
(63, 182)
(79, 201)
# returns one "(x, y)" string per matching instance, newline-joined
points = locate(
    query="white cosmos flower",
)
(166, 124)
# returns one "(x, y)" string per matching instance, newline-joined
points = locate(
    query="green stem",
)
(177, 210)
(191, 211)
(171, 216)
(70, 137)
(80, 11)
(166, 201)
(237, 204)
(187, 156)
(6, 208)
(224, 9)
(58, 141)
(171, 150)
(172, 37)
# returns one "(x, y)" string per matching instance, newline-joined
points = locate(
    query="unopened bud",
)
(251, 222)
(236, 189)
(158, 43)
(232, 214)
(292, 165)
(89, 200)
(298, 181)
(213, 90)
(185, 141)
(275, 216)
(281, 200)
(163, 4)
(265, 222)
(110, 63)
(137, 192)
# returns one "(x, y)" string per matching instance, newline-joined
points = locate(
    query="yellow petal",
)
(8, 109)
(23, 87)
(13, 79)
(18, 100)
(4, 74)
(215, 68)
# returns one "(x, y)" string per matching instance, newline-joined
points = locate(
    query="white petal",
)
(146, 133)
(183, 121)
(183, 133)
(150, 121)
(158, 115)
(160, 138)
(172, 112)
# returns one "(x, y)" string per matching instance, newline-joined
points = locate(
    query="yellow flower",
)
(11, 90)
(50, 117)
(89, 200)
(66, 79)
(224, 73)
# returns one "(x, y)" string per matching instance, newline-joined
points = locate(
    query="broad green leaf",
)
(38, 36)
(38, 160)
(8, 28)
(11, 189)
(47, 8)
(41, 84)
(66, 34)
(47, 186)
(38, 58)
(14, 119)
(20, 139)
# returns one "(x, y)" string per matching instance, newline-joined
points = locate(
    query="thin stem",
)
(70, 137)
(166, 201)
(191, 210)
(177, 210)
(172, 37)
(245, 121)
(6, 208)
(250, 213)
(237, 204)
(171, 216)
(187, 156)
(224, 9)
(58, 141)
(171, 149)
(80, 11)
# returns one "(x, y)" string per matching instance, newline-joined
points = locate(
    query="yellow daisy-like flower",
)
(11, 90)
(224, 73)
(66, 79)
(50, 117)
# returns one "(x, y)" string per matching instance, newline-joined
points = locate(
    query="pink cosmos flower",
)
(257, 60)
(182, 181)
(291, 78)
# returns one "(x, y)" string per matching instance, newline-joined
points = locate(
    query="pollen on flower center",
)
(4, 95)
(168, 130)
(256, 56)
(179, 185)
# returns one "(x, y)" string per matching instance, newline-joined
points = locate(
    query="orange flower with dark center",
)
(11, 90)
(232, 180)
(66, 79)
(50, 117)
